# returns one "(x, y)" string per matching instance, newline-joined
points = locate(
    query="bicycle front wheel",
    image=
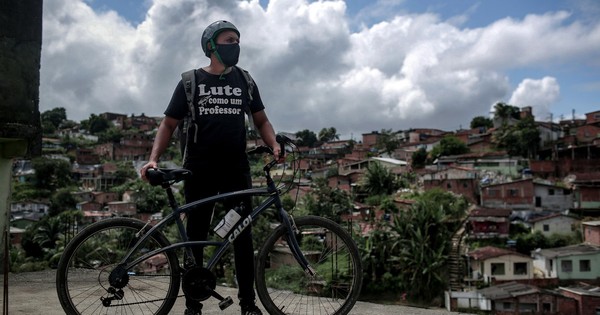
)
(82, 276)
(284, 288)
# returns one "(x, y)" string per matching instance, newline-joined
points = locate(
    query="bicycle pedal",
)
(225, 303)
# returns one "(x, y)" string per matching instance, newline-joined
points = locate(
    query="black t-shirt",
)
(220, 137)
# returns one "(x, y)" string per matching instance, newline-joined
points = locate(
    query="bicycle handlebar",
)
(280, 138)
(165, 177)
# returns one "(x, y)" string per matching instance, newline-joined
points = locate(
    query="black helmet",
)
(211, 32)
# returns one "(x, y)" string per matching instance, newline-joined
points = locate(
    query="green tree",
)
(424, 243)
(521, 139)
(149, 199)
(503, 112)
(328, 134)
(306, 138)
(62, 200)
(125, 172)
(387, 141)
(111, 134)
(481, 122)
(449, 145)
(379, 180)
(95, 124)
(529, 137)
(51, 174)
(54, 116)
(326, 201)
(419, 158)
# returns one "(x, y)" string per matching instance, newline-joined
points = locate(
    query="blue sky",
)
(358, 65)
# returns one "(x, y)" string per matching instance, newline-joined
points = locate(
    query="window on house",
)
(528, 307)
(547, 307)
(566, 266)
(498, 269)
(551, 192)
(449, 186)
(493, 192)
(507, 306)
(585, 265)
(546, 227)
(513, 192)
(597, 310)
(520, 268)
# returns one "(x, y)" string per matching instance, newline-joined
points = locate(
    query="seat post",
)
(171, 197)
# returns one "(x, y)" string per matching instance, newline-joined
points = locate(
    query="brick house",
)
(498, 264)
(496, 162)
(526, 194)
(556, 223)
(587, 297)
(122, 208)
(519, 298)
(591, 232)
(89, 206)
(103, 198)
(516, 195)
(95, 216)
(459, 180)
(593, 118)
(489, 223)
(86, 157)
(142, 122)
(369, 140)
(586, 194)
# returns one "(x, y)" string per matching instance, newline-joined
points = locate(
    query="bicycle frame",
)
(223, 245)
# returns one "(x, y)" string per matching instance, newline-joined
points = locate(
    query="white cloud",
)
(313, 71)
(539, 94)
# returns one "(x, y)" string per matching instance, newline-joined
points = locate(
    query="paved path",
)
(35, 293)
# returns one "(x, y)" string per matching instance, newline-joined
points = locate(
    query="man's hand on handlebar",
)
(278, 154)
(148, 165)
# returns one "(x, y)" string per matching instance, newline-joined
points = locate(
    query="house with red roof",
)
(489, 222)
(493, 264)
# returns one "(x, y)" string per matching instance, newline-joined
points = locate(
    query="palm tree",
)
(503, 112)
(424, 243)
(380, 180)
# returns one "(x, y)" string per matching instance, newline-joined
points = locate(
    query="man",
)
(216, 146)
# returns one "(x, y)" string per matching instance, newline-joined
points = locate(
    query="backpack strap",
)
(251, 85)
(188, 79)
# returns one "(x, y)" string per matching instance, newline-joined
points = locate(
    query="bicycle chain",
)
(137, 303)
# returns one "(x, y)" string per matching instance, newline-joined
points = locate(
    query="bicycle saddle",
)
(166, 176)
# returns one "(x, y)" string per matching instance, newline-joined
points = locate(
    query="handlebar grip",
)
(282, 140)
(259, 150)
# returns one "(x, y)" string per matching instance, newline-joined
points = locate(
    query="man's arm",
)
(161, 142)
(266, 131)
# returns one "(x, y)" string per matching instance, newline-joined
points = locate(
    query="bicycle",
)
(307, 265)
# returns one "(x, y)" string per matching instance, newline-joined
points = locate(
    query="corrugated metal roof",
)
(508, 290)
(571, 250)
(488, 252)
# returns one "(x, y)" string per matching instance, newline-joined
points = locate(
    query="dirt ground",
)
(35, 293)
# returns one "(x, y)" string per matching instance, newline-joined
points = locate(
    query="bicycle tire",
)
(284, 288)
(83, 271)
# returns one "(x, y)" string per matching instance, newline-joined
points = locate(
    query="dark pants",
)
(206, 183)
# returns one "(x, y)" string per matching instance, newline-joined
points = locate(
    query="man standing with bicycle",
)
(215, 145)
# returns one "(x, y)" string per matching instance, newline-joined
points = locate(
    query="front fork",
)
(291, 229)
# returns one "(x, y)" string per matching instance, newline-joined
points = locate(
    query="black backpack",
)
(188, 79)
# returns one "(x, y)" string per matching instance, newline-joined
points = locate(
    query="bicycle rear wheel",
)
(82, 276)
(284, 288)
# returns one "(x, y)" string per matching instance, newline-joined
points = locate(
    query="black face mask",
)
(228, 54)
